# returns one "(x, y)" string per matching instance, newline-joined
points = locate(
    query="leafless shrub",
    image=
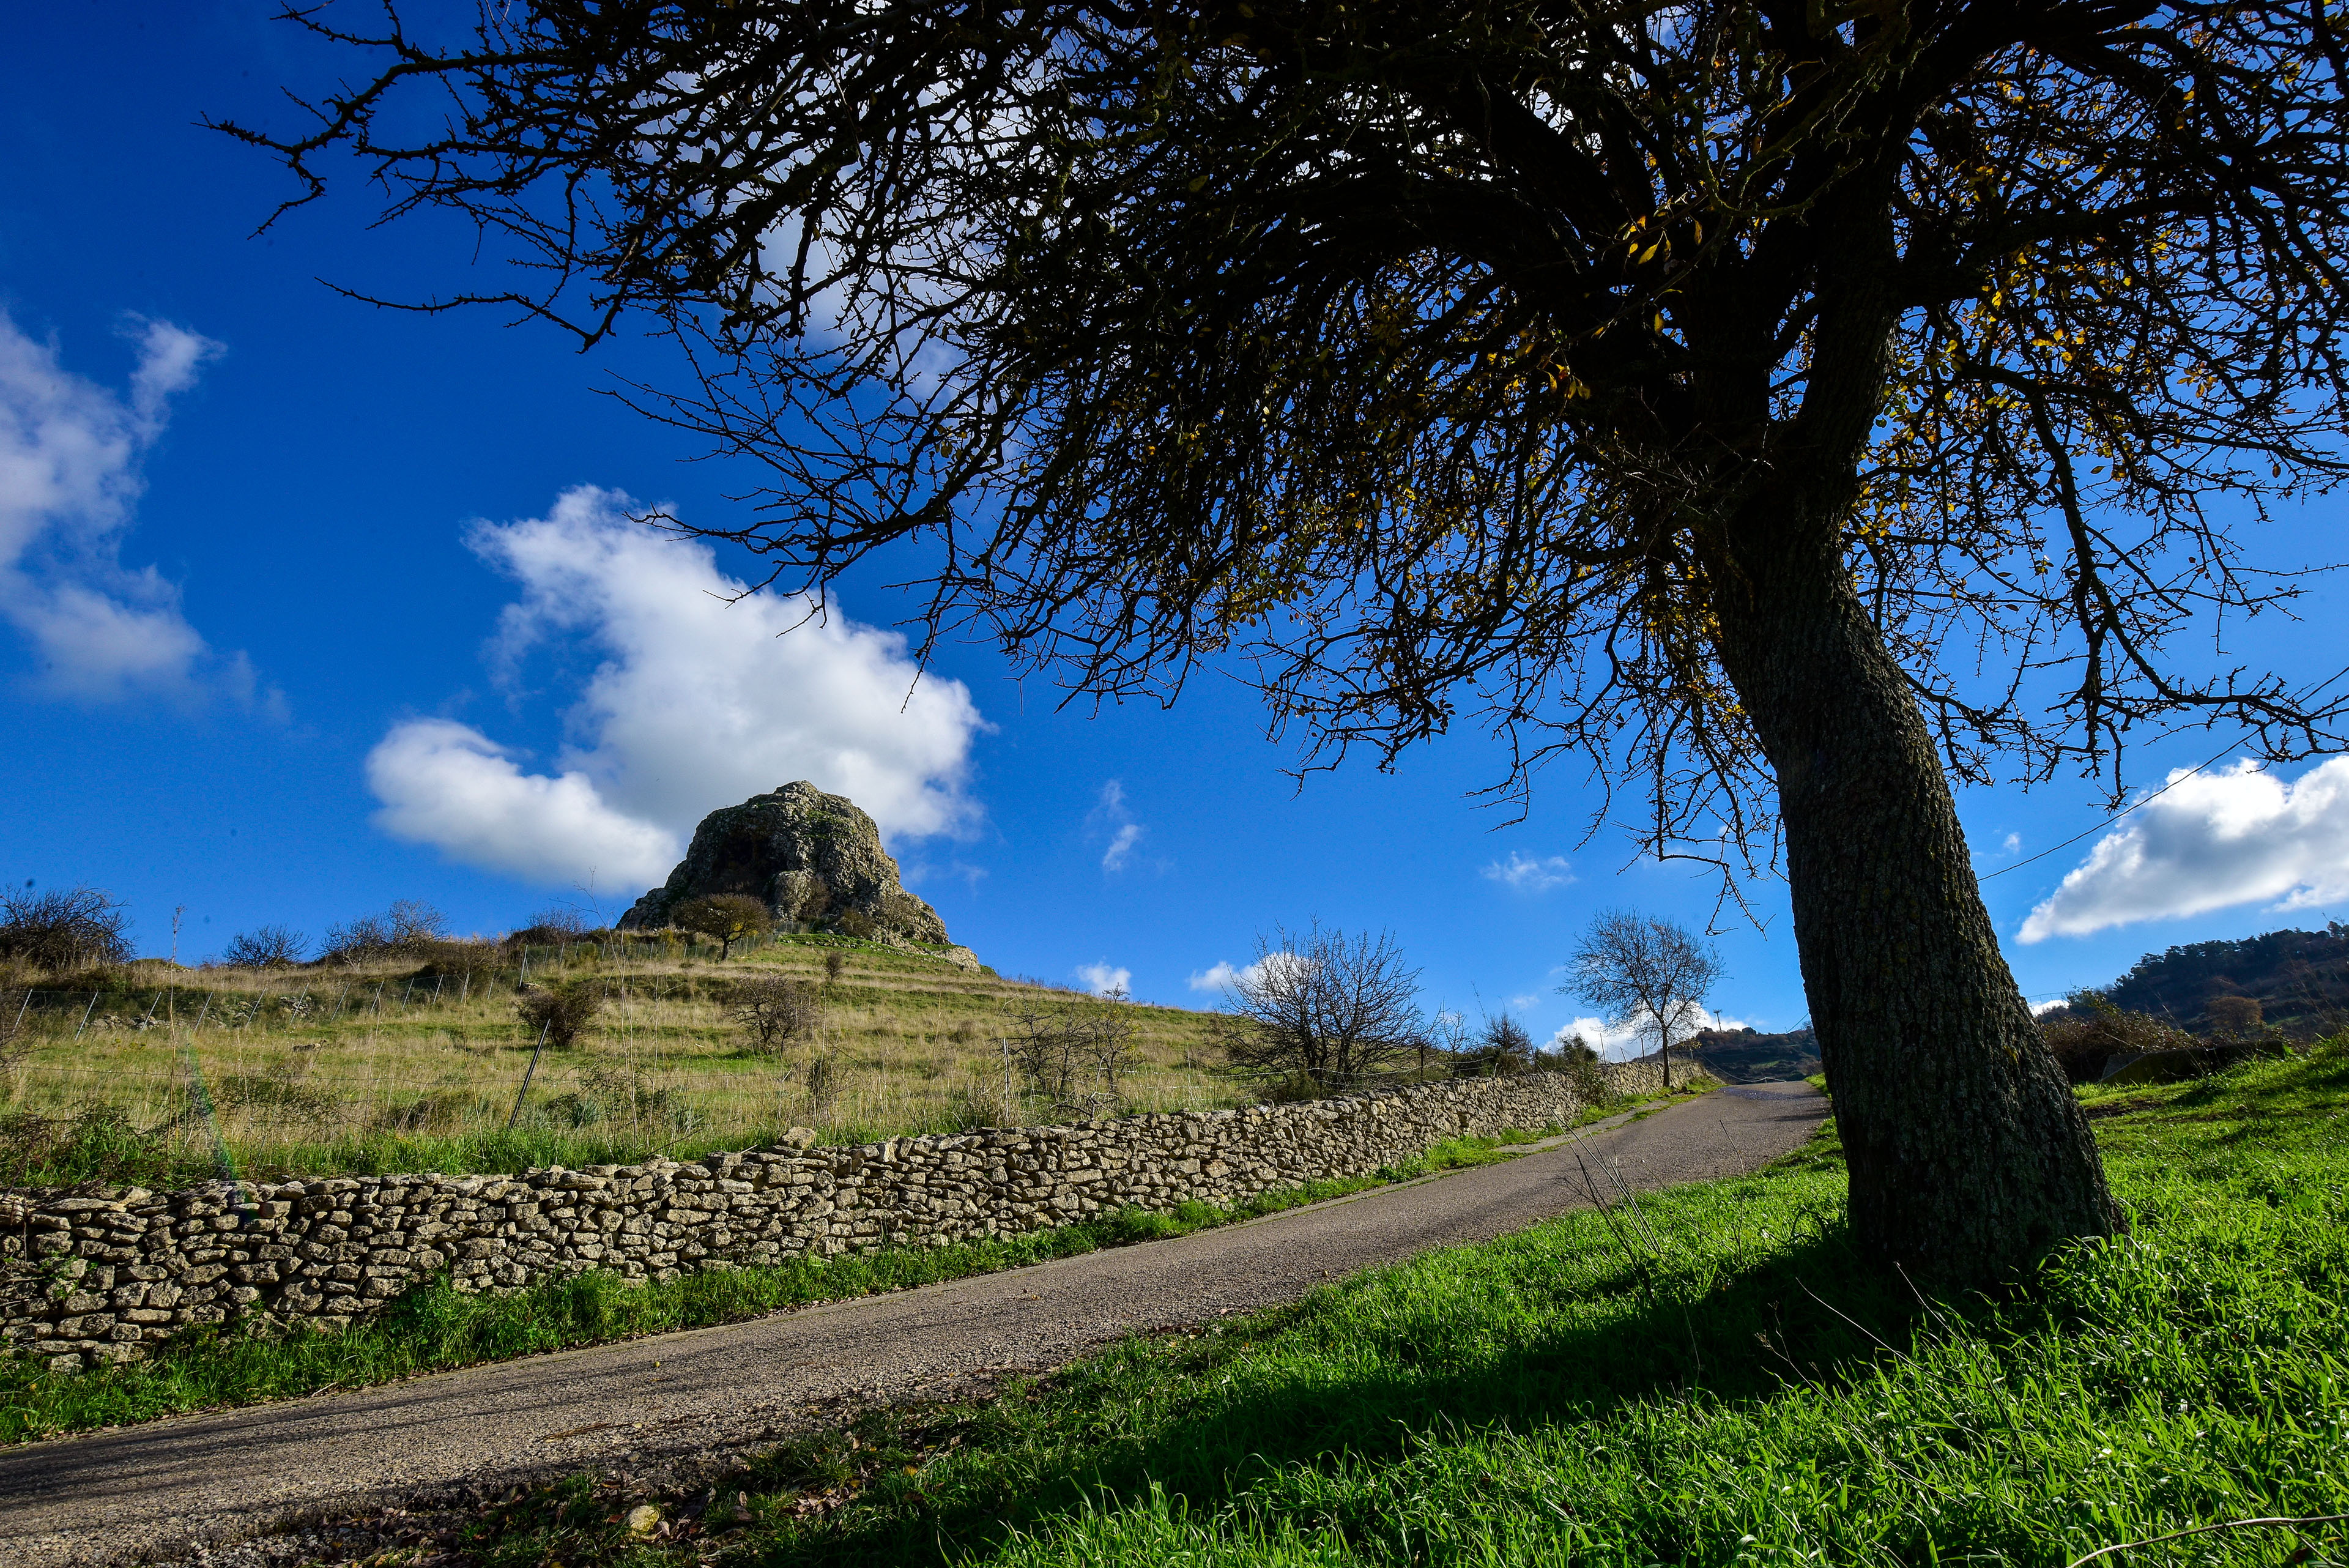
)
(1074, 1055)
(559, 1011)
(267, 947)
(551, 927)
(834, 963)
(64, 928)
(776, 1010)
(2088, 1032)
(408, 929)
(859, 924)
(1322, 1010)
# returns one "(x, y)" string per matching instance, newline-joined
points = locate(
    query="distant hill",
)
(1745, 1056)
(2300, 979)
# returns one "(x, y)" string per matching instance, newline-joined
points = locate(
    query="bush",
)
(459, 958)
(2088, 1032)
(775, 1012)
(267, 946)
(834, 963)
(559, 1011)
(553, 927)
(729, 917)
(859, 924)
(1503, 1049)
(64, 930)
(409, 929)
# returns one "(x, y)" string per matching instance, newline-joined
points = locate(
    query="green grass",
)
(433, 1327)
(1715, 1379)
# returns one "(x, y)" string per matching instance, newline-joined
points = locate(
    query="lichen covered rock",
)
(812, 857)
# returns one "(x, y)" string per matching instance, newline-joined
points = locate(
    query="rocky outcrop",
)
(812, 857)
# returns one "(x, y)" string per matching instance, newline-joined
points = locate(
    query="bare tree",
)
(1784, 407)
(1647, 971)
(1323, 1009)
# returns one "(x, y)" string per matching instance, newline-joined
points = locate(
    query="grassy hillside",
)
(153, 1072)
(1744, 1056)
(1715, 1380)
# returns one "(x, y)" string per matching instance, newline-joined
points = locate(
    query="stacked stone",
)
(90, 1280)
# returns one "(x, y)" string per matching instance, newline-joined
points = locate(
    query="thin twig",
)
(2205, 1529)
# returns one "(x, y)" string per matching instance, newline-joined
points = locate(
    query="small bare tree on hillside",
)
(775, 1011)
(1074, 1054)
(1322, 1009)
(1647, 971)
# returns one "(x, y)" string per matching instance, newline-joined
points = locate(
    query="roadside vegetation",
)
(1709, 1377)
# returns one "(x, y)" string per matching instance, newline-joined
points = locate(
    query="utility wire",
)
(2149, 800)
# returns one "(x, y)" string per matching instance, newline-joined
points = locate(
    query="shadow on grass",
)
(1109, 1429)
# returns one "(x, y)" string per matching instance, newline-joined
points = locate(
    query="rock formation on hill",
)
(812, 857)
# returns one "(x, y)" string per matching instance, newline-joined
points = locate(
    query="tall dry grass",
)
(152, 1072)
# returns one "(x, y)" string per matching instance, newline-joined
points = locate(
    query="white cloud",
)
(697, 702)
(1621, 1041)
(447, 783)
(1111, 815)
(70, 477)
(2011, 845)
(1223, 976)
(2050, 1005)
(1526, 1002)
(2233, 836)
(1102, 980)
(1524, 873)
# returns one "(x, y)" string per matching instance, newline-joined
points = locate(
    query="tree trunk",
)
(1967, 1151)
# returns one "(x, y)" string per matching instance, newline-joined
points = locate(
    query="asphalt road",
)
(106, 1497)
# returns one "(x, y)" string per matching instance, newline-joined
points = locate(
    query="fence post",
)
(85, 1015)
(528, 1073)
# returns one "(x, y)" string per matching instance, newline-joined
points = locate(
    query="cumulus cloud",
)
(1103, 980)
(71, 473)
(1524, 873)
(706, 694)
(2231, 836)
(1223, 976)
(447, 783)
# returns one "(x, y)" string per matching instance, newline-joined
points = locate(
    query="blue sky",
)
(310, 605)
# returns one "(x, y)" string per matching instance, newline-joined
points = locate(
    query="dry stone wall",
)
(92, 1279)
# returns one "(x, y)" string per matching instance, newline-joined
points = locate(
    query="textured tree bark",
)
(1967, 1153)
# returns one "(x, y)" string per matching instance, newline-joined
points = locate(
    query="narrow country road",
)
(110, 1495)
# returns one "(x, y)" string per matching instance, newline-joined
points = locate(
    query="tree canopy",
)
(1785, 402)
(1409, 351)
